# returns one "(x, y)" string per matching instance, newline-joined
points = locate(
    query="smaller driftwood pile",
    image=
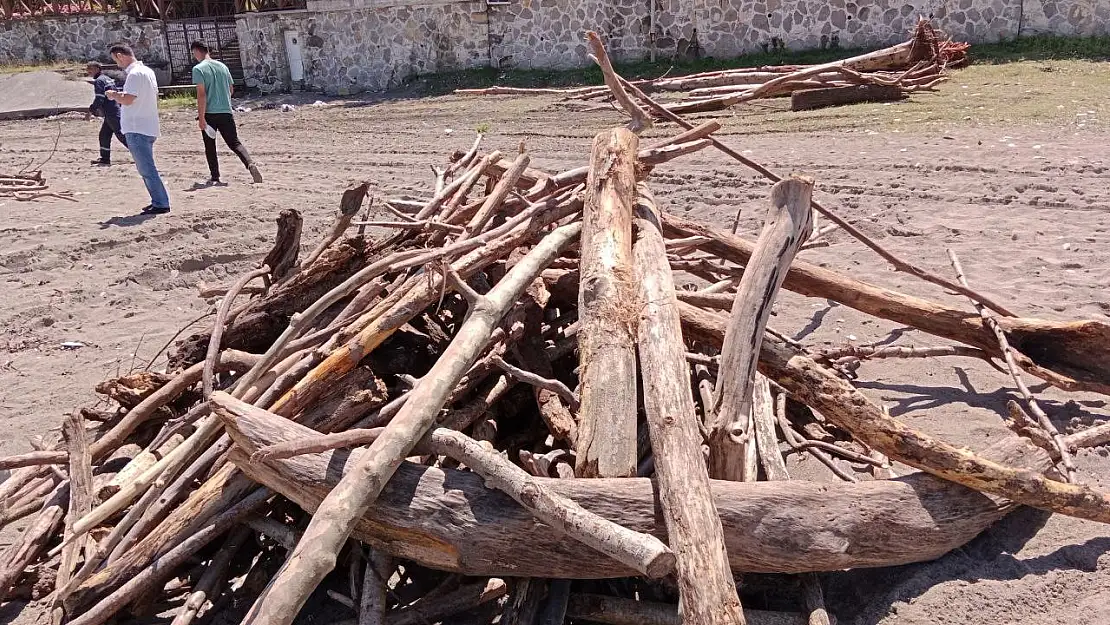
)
(26, 187)
(890, 74)
(455, 423)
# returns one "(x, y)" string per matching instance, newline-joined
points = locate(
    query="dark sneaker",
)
(257, 175)
(101, 163)
(156, 210)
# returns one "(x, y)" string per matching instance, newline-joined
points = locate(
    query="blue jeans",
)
(142, 150)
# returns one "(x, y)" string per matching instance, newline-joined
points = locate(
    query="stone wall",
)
(1067, 18)
(350, 46)
(79, 38)
(372, 48)
(546, 33)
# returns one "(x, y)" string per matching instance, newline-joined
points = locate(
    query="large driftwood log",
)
(607, 312)
(693, 526)
(642, 552)
(1071, 355)
(450, 521)
(788, 225)
(811, 99)
(81, 496)
(315, 554)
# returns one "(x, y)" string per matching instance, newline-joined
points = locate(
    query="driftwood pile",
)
(453, 422)
(919, 64)
(27, 186)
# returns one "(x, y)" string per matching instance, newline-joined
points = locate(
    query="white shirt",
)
(141, 116)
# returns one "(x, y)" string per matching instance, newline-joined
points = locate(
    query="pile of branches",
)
(456, 422)
(919, 64)
(28, 186)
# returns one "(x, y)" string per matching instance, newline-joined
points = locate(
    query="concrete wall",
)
(371, 48)
(79, 38)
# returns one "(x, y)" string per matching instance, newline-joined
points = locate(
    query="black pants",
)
(224, 123)
(108, 128)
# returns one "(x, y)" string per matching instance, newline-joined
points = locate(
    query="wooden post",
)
(705, 584)
(80, 493)
(608, 314)
(787, 228)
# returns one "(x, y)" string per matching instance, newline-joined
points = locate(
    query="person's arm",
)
(126, 97)
(202, 106)
(99, 91)
(202, 99)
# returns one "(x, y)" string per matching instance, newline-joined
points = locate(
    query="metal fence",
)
(155, 9)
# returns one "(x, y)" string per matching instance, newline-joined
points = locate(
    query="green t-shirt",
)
(216, 79)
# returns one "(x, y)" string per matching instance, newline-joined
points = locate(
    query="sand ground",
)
(1025, 205)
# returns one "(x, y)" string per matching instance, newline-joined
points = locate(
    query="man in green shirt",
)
(214, 89)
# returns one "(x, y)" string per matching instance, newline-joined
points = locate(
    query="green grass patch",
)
(1024, 49)
(1054, 94)
(178, 99)
(1043, 48)
(1039, 81)
(21, 68)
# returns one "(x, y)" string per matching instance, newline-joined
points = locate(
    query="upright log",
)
(705, 583)
(314, 557)
(608, 315)
(787, 228)
(80, 494)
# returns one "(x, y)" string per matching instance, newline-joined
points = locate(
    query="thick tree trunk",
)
(449, 520)
(811, 99)
(693, 526)
(607, 312)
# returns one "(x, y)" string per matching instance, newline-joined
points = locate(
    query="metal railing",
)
(153, 9)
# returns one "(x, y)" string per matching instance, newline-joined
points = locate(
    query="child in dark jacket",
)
(105, 108)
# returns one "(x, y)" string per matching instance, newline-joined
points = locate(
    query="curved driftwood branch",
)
(844, 405)
(450, 521)
(788, 225)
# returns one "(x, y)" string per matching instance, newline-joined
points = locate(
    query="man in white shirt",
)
(139, 123)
